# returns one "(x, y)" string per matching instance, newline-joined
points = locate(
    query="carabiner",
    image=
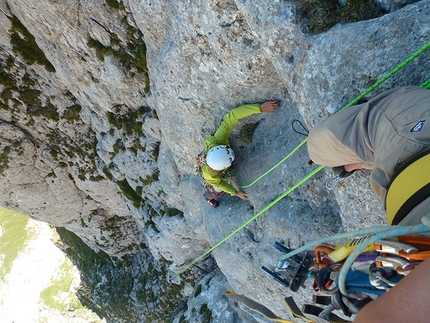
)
(332, 182)
(394, 247)
(400, 265)
(378, 276)
(321, 255)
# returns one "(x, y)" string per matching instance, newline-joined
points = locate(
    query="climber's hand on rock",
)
(241, 195)
(269, 106)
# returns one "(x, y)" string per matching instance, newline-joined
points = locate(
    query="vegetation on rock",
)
(132, 289)
(24, 44)
(317, 16)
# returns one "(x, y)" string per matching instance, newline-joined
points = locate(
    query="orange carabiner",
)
(417, 256)
(415, 240)
(321, 255)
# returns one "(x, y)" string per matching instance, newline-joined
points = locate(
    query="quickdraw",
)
(377, 269)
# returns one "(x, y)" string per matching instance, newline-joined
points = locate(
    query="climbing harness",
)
(200, 160)
(313, 172)
(409, 188)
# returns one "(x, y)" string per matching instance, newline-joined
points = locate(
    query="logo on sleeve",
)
(418, 126)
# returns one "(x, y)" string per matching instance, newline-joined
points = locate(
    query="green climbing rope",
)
(312, 173)
(271, 169)
(268, 206)
(426, 84)
(386, 77)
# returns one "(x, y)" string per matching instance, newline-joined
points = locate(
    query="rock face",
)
(104, 105)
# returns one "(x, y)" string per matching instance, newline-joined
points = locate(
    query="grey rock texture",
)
(205, 304)
(102, 139)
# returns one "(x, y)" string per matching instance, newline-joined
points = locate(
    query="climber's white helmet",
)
(219, 157)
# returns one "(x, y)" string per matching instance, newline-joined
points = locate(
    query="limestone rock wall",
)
(99, 130)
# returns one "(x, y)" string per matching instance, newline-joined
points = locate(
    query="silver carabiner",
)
(378, 276)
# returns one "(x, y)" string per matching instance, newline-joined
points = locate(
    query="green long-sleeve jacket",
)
(220, 137)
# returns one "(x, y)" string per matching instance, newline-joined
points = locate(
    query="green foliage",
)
(142, 110)
(113, 226)
(113, 119)
(72, 113)
(198, 290)
(108, 173)
(154, 114)
(151, 212)
(150, 178)
(48, 111)
(130, 125)
(79, 250)
(24, 44)
(206, 314)
(114, 4)
(28, 96)
(139, 190)
(54, 295)
(4, 159)
(136, 146)
(182, 319)
(132, 54)
(151, 224)
(118, 289)
(118, 146)
(83, 147)
(6, 80)
(137, 49)
(155, 152)
(54, 151)
(96, 178)
(12, 239)
(101, 50)
(129, 193)
(247, 131)
(170, 211)
(140, 58)
(321, 15)
(27, 80)
(127, 122)
(10, 62)
(62, 164)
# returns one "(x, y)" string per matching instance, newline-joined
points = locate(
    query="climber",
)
(389, 134)
(383, 134)
(218, 156)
